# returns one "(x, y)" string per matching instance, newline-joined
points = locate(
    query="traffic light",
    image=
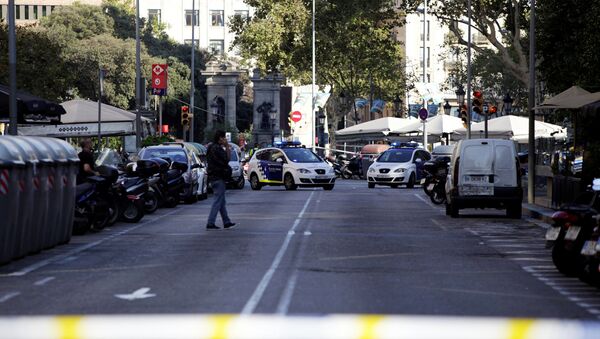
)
(185, 116)
(464, 115)
(478, 102)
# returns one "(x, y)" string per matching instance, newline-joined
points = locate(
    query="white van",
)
(484, 173)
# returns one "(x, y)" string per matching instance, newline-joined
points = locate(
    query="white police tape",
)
(293, 327)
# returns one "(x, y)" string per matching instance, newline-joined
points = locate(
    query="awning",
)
(30, 108)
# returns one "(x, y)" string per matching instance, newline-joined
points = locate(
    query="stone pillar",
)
(221, 82)
(266, 100)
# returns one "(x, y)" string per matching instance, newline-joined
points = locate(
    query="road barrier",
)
(293, 327)
(37, 194)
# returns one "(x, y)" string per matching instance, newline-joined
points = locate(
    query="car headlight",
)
(372, 170)
(235, 168)
(399, 170)
(303, 171)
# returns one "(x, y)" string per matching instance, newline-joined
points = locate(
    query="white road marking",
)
(141, 293)
(78, 250)
(307, 233)
(369, 256)
(264, 283)
(44, 281)
(286, 298)
(8, 296)
(428, 203)
(439, 224)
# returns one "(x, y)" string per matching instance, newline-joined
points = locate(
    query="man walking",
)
(219, 171)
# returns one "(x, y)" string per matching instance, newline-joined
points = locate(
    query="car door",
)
(276, 166)
(263, 158)
(418, 161)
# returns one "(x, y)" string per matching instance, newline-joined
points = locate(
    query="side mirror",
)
(418, 160)
(279, 160)
(194, 166)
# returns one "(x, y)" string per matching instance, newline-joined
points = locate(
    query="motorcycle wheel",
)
(425, 188)
(346, 175)
(564, 260)
(171, 202)
(133, 212)
(114, 211)
(100, 221)
(150, 202)
(437, 197)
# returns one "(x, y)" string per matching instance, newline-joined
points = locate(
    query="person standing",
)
(86, 161)
(219, 171)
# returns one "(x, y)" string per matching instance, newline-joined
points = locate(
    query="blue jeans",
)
(218, 205)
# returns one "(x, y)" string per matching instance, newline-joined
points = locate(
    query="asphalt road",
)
(350, 250)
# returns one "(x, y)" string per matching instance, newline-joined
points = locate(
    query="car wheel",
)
(328, 187)
(289, 183)
(411, 181)
(193, 197)
(254, 183)
(371, 185)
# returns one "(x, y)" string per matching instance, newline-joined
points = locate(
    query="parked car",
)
(237, 171)
(402, 164)
(290, 165)
(195, 177)
(484, 173)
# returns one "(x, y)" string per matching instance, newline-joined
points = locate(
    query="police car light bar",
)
(411, 144)
(288, 144)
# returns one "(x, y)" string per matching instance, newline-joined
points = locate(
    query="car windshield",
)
(301, 155)
(396, 155)
(175, 154)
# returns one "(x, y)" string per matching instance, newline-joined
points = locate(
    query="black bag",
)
(227, 173)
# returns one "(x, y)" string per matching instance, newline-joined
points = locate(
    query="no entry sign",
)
(296, 116)
(159, 78)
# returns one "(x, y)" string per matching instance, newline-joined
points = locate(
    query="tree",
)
(353, 39)
(84, 21)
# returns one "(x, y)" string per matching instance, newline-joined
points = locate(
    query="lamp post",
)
(460, 95)
(398, 106)
(321, 128)
(12, 69)
(447, 108)
(273, 116)
(508, 101)
(138, 78)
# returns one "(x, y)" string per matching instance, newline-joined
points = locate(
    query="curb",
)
(537, 212)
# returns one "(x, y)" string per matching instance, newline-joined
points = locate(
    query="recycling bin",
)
(69, 183)
(12, 171)
(51, 197)
(33, 211)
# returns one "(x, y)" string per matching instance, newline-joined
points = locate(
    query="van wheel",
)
(289, 183)
(452, 210)
(411, 181)
(514, 211)
(254, 183)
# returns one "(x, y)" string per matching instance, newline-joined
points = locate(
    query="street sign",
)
(159, 79)
(423, 114)
(296, 116)
(228, 136)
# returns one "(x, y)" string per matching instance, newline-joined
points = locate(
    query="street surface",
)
(352, 250)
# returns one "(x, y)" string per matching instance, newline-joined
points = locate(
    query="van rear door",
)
(476, 169)
(505, 165)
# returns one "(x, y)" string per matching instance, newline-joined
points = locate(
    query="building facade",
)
(30, 11)
(210, 19)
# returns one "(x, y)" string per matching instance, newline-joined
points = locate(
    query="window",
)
(26, 12)
(191, 15)
(17, 12)
(264, 155)
(428, 31)
(216, 18)
(277, 155)
(301, 155)
(189, 42)
(396, 155)
(242, 14)
(428, 56)
(1, 11)
(35, 12)
(44, 10)
(154, 15)
(217, 46)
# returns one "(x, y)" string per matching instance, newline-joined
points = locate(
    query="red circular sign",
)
(296, 116)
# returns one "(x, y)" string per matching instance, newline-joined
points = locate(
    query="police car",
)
(289, 164)
(401, 164)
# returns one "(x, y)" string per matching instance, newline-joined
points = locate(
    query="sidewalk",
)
(538, 212)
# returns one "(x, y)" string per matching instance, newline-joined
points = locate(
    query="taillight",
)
(456, 170)
(133, 197)
(564, 217)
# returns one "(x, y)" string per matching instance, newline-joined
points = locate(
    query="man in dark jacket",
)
(218, 172)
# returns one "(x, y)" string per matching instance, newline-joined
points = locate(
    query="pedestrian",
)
(253, 150)
(86, 161)
(218, 172)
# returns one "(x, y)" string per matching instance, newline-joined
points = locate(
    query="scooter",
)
(337, 167)
(352, 167)
(168, 183)
(130, 192)
(573, 225)
(435, 181)
(95, 202)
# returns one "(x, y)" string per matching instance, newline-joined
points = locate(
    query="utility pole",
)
(12, 69)
(531, 104)
(193, 87)
(100, 94)
(138, 78)
(314, 75)
(469, 75)
(425, 69)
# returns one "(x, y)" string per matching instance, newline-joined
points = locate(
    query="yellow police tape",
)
(293, 327)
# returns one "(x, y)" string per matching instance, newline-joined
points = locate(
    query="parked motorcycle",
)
(336, 165)
(168, 183)
(129, 193)
(590, 250)
(434, 183)
(95, 201)
(573, 225)
(352, 167)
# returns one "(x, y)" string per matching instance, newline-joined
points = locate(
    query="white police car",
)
(401, 164)
(290, 165)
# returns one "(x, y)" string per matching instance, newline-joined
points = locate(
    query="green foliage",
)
(85, 21)
(354, 42)
(156, 140)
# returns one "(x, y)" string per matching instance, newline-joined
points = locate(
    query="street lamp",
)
(398, 106)
(321, 128)
(273, 116)
(447, 108)
(460, 95)
(508, 101)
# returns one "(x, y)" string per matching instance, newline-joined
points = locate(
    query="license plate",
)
(422, 181)
(430, 187)
(382, 175)
(552, 233)
(476, 179)
(589, 248)
(476, 190)
(321, 177)
(572, 233)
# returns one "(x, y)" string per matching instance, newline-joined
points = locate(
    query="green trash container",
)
(12, 171)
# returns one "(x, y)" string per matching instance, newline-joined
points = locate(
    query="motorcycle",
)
(129, 193)
(336, 165)
(434, 183)
(168, 183)
(95, 203)
(352, 167)
(590, 250)
(573, 225)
